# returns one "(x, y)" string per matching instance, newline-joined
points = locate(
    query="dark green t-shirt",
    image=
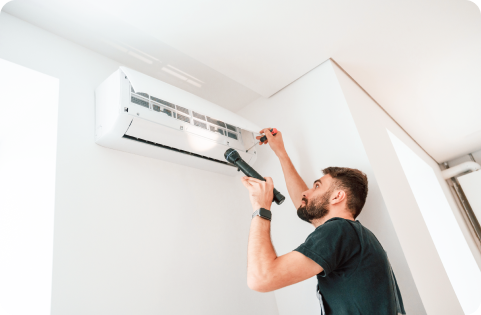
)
(357, 276)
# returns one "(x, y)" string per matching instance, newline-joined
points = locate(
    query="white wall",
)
(133, 235)
(420, 252)
(319, 131)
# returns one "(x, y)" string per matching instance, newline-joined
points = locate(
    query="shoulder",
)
(335, 224)
(334, 227)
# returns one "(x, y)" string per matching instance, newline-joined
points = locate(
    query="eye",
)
(317, 185)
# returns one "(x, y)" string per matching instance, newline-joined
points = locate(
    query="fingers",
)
(252, 180)
(269, 182)
(265, 131)
(258, 138)
(269, 135)
(245, 182)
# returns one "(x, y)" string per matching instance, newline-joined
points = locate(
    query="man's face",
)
(315, 201)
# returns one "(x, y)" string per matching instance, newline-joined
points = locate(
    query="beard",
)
(314, 209)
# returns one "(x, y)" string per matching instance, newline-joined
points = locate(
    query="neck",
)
(330, 215)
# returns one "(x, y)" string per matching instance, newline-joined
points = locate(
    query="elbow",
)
(258, 284)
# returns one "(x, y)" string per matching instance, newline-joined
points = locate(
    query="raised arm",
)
(295, 185)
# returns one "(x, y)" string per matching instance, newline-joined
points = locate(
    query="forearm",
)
(295, 184)
(260, 253)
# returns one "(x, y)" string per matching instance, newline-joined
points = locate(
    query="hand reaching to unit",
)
(275, 142)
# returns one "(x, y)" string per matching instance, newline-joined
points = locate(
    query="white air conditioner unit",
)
(139, 114)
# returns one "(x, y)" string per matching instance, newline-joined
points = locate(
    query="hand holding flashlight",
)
(233, 157)
(260, 192)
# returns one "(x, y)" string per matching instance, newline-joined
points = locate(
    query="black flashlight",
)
(232, 156)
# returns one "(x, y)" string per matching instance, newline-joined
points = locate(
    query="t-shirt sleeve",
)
(330, 245)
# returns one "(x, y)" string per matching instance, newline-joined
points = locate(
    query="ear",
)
(338, 196)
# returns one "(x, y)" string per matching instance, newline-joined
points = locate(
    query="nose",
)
(304, 194)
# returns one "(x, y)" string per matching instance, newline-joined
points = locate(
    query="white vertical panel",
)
(457, 259)
(28, 145)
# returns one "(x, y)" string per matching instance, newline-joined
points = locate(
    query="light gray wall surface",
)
(319, 131)
(133, 235)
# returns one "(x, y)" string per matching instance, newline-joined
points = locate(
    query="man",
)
(353, 272)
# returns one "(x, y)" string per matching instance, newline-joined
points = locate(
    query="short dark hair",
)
(353, 182)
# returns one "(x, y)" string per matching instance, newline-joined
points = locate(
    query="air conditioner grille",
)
(143, 94)
(231, 135)
(215, 122)
(200, 124)
(230, 127)
(182, 109)
(158, 100)
(138, 101)
(198, 116)
(183, 118)
(157, 105)
(166, 111)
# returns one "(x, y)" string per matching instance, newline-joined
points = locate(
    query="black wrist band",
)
(263, 213)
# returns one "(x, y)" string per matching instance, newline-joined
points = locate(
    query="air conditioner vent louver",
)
(183, 118)
(230, 127)
(177, 150)
(139, 101)
(200, 124)
(182, 109)
(215, 122)
(198, 116)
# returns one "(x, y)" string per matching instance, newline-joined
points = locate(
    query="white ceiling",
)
(421, 60)
(96, 29)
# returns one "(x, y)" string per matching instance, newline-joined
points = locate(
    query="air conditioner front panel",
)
(154, 119)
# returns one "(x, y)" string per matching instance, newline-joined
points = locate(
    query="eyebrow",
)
(317, 181)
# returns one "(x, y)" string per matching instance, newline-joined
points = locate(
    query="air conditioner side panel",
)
(107, 104)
